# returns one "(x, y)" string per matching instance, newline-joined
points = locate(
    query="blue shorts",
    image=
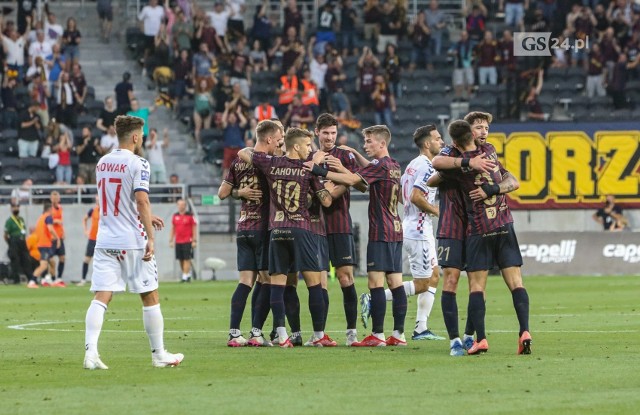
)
(342, 250)
(253, 250)
(293, 250)
(499, 247)
(45, 254)
(58, 251)
(451, 253)
(384, 256)
(91, 248)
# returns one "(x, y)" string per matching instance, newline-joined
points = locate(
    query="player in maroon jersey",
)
(338, 225)
(490, 235)
(292, 246)
(384, 250)
(244, 182)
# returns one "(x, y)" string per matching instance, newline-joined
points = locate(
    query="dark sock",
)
(325, 297)
(450, 313)
(254, 298)
(277, 304)
(238, 303)
(262, 306)
(468, 328)
(399, 308)
(378, 309)
(292, 307)
(477, 310)
(85, 270)
(521, 304)
(350, 301)
(60, 269)
(316, 307)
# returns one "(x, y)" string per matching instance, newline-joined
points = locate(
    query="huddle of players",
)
(296, 240)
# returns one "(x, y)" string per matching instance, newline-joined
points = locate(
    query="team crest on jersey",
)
(279, 216)
(375, 161)
(144, 175)
(351, 156)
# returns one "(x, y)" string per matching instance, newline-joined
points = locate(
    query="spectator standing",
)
(618, 83)
(80, 86)
(14, 45)
(420, 35)
(258, 57)
(368, 68)
(262, 25)
(124, 94)
(293, 17)
(299, 115)
(487, 59)
(40, 47)
(66, 98)
(233, 124)
(203, 62)
(107, 115)
(463, 79)
(22, 194)
(327, 24)
(240, 69)
(183, 237)
(595, 73)
(151, 17)
(105, 14)
(334, 79)
(202, 108)
(71, 42)
(26, 14)
(372, 16)
(437, 23)
(182, 31)
(389, 26)
(289, 87)
(9, 116)
(475, 25)
(392, 67)
(137, 111)
(610, 216)
(318, 70)
(310, 92)
(264, 111)
(207, 34)
(15, 232)
(63, 149)
(535, 111)
(219, 18)
(39, 91)
(29, 131)
(155, 155)
(348, 22)
(235, 23)
(383, 102)
(55, 64)
(53, 30)
(513, 11)
(88, 150)
(182, 71)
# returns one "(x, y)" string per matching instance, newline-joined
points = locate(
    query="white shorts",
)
(115, 269)
(422, 257)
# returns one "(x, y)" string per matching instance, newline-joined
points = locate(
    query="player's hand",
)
(481, 163)
(318, 157)
(349, 149)
(334, 164)
(157, 223)
(171, 244)
(308, 165)
(58, 243)
(248, 193)
(478, 194)
(86, 233)
(148, 251)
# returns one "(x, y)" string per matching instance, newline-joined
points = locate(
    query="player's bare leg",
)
(185, 267)
(513, 278)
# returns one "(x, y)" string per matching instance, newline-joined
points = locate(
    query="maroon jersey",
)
(253, 214)
(382, 176)
(337, 215)
(489, 214)
(289, 183)
(452, 222)
(317, 217)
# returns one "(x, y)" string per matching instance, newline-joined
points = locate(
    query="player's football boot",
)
(468, 342)
(286, 344)
(258, 341)
(365, 308)
(524, 343)
(237, 341)
(59, 284)
(81, 283)
(396, 341)
(46, 282)
(325, 341)
(479, 347)
(32, 284)
(426, 335)
(296, 339)
(92, 362)
(370, 341)
(456, 348)
(166, 359)
(352, 337)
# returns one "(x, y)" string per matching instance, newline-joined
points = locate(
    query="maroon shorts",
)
(230, 153)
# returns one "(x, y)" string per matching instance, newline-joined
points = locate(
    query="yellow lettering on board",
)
(571, 165)
(616, 149)
(526, 158)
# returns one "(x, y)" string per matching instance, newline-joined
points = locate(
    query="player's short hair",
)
(294, 135)
(266, 128)
(422, 134)
(46, 205)
(474, 116)
(125, 125)
(460, 132)
(326, 120)
(380, 131)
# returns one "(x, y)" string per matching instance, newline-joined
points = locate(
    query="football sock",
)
(425, 304)
(316, 307)
(238, 303)
(292, 307)
(397, 334)
(350, 301)
(277, 305)
(154, 326)
(93, 325)
(185, 277)
(399, 308)
(85, 270)
(521, 304)
(60, 269)
(477, 310)
(254, 297)
(282, 333)
(325, 297)
(377, 309)
(409, 289)
(318, 334)
(450, 313)
(468, 328)
(262, 306)
(235, 332)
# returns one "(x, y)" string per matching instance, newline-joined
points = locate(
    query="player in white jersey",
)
(124, 253)
(417, 228)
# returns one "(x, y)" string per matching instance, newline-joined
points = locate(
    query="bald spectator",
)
(41, 47)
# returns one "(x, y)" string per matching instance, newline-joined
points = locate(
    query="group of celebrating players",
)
(295, 219)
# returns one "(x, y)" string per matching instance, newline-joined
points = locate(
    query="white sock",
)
(318, 334)
(352, 331)
(256, 332)
(154, 326)
(396, 334)
(93, 325)
(282, 333)
(409, 288)
(452, 342)
(425, 304)
(235, 332)
(185, 276)
(378, 335)
(467, 336)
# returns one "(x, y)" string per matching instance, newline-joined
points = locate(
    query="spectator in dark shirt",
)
(368, 66)
(348, 18)
(233, 124)
(124, 94)
(372, 15)
(107, 115)
(487, 59)
(420, 35)
(71, 42)
(9, 102)
(618, 82)
(262, 25)
(298, 114)
(389, 26)
(327, 24)
(383, 102)
(182, 70)
(335, 78)
(205, 33)
(475, 25)
(610, 216)
(222, 92)
(29, 132)
(88, 150)
(535, 111)
(507, 58)
(595, 78)
(392, 67)
(293, 17)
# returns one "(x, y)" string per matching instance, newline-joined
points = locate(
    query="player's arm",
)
(194, 232)
(479, 162)
(225, 190)
(85, 228)
(246, 155)
(144, 210)
(418, 199)
(324, 197)
(54, 235)
(435, 180)
(335, 190)
(360, 159)
(172, 234)
(341, 176)
(509, 184)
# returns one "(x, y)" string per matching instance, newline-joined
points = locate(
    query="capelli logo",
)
(628, 253)
(564, 252)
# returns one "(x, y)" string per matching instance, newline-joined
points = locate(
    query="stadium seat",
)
(210, 134)
(94, 108)
(86, 119)
(10, 147)
(35, 163)
(10, 162)
(43, 177)
(8, 134)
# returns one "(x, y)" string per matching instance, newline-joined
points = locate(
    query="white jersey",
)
(416, 224)
(119, 175)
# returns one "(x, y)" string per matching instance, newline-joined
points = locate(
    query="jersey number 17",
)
(102, 187)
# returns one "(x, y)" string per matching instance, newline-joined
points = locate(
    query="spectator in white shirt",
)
(109, 141)
(219, 18)
(52, 29)
(41, 47)
(236, 18)
(151, 17)
(155, 156)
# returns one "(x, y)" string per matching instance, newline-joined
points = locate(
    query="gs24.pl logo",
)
(542, 44)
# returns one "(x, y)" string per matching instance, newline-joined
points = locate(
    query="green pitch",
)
(585, 357)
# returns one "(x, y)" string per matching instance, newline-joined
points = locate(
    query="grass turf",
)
(583, 360)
